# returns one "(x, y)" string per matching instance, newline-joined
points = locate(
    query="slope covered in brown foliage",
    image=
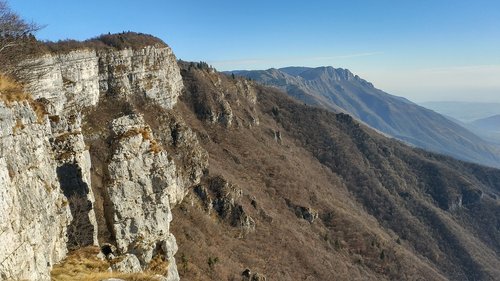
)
(299, 193)
(339, 90)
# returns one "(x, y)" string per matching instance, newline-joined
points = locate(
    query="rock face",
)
(47, 201)
(69, 81)
(219, 195)
(129, 264)
(73, 172)
(302, 212)
(212, 101)
(150, 72)
(75, 80)
(142, 181)
(34, 213)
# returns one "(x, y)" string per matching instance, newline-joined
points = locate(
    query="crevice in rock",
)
(97, 137)
(80, 231)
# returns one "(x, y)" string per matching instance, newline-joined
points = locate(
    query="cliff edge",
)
(59, 166)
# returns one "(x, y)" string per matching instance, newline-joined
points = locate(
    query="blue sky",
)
(423, 50)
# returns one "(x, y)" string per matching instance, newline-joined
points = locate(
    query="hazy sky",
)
(423, 50)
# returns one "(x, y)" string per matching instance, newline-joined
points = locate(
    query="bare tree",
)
(17, 41)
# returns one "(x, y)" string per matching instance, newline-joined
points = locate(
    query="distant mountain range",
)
(491, 123)
(340, 90)
(488, 128)
(483, 119)
(464, 111)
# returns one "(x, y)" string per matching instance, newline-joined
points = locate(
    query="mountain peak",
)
(340, 90)
(322, 72)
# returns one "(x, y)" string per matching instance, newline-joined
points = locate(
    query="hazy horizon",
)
(424, 51)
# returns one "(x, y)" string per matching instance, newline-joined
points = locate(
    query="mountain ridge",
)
(156, 169)
(340, 90)
(491, 123)
(415, 194)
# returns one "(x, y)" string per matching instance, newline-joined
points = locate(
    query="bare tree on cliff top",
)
(17, 42)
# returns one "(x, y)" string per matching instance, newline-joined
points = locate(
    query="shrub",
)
(117, 41)
(17, 43)
(212, 261)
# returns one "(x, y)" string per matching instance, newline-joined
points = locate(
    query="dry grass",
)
(158, 265)
(39, 109)
(121, 69)
(13, 92)
(155, 147)
(83, 264)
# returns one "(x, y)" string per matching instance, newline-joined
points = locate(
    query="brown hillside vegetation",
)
(294, 192)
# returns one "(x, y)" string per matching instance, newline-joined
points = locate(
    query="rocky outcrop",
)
(151, 72)
(70, 81)
(73, 171)
(142, 181)
(213, 102)
(34, 213)
(47, 201)
(306, 213)
(129, 264)
(472, 196)
(248, 276)
(75, 80)
(219, 195)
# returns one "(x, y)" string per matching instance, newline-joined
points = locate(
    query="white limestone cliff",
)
(34, 213)
(69, 81)
(142, 179)
(46, 194)
(151, 72)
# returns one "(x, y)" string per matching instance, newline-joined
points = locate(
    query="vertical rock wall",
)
(149, 72)
(142, 179)
(69, 82)
(46, 198)
(34, 213)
